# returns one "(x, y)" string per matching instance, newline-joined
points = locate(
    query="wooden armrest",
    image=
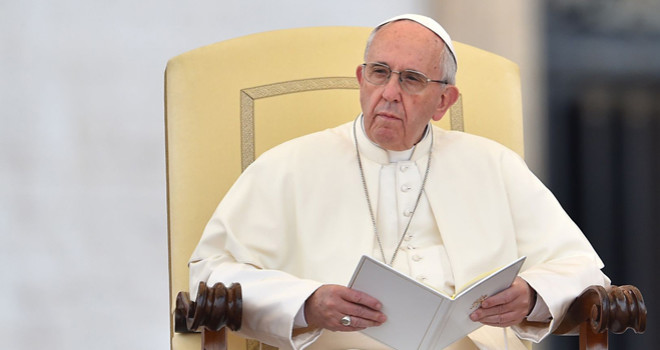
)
(595, 312)
(213, 309)
(600, 310)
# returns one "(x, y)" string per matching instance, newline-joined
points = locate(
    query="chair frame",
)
(596, 312)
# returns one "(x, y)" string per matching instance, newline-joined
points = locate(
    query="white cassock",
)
(298, 218)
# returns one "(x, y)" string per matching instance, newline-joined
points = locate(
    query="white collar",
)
(382, 156)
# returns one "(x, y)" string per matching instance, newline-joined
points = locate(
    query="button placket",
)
(409, 182)
(414, 256)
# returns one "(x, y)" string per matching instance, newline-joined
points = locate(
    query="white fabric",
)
(429, 23)
(422, 254)
(540, 312)
(297, 218)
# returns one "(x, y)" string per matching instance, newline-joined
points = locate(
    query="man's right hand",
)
(329, 303)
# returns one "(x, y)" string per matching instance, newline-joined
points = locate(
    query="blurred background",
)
(83, 236)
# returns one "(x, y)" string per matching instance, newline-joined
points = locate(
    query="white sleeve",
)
(562, 262)
(300, 321)
(271, 299)
(246, 236)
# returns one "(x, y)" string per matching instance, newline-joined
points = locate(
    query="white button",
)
(407, 213)
(403, 168)
(416, 257)
(421, 278)
(406, 188)
(408, 237)
(410, 247)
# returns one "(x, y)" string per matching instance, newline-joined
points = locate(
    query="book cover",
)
(418, 316)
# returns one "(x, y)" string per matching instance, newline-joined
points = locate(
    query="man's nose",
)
(392, 89)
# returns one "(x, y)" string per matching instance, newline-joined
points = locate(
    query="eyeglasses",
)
(411, 81)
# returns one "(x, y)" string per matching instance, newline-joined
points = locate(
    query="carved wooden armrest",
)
(600, 310)
(213, 309)
(595, 312)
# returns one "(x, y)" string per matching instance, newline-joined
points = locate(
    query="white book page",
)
(470, 299)
(417, 315)
(410, 307)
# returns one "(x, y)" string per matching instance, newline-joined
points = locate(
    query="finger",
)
(519, 292)
(363, 307)
(329, 303)
(500, 315)
(489, 314)
(502, 298)
(502, 320)
(374, 319)
(371, 316)
(358, 324)
(360, 298)
(518, 289)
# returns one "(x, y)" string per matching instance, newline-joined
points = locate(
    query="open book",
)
(418, 316)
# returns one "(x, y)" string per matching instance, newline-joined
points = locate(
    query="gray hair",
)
(447, 62)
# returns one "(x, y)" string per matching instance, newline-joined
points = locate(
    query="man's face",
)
(394, 118)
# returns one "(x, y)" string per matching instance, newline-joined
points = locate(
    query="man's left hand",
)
(508, 307)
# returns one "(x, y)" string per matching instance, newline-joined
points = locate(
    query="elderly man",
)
(439, 206)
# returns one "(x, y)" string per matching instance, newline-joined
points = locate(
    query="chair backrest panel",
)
(228, 102)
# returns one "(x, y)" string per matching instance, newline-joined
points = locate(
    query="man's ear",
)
(448, 98)
(358, 73)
